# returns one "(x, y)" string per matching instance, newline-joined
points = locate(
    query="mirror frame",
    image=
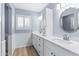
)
(66, 12)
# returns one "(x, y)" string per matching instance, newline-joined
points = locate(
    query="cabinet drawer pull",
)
(54, 55)
(39, 51)
(39, 39)
(39, 44)
(51, 53)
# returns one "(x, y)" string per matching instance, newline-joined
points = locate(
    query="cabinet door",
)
(57, 50)
(49, 44)
(48, 51)
(63, 52)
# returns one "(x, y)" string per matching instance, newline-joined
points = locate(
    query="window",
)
(23, 22)
(19, 22)
(27, 22)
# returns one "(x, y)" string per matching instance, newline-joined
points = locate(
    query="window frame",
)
(29, 21)
(24, 28)
(16, 22)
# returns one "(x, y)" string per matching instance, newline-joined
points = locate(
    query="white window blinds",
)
(23, 22)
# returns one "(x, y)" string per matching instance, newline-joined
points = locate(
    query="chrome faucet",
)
(66, 37)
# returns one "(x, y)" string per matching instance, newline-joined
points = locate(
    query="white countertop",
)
(73, 46)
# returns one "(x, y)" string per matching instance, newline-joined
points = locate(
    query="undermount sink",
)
(64, 41)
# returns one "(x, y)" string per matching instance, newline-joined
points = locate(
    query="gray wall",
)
(6, 21)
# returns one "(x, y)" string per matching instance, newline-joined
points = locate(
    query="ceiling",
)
(36, 7)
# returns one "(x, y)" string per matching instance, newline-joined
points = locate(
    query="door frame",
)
(0, 29)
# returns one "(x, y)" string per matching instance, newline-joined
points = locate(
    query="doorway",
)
(8, 29)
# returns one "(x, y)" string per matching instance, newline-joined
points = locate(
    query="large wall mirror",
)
(69, 20)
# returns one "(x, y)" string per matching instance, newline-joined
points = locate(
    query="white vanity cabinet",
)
(44, 47)
(38, 44)
(51, 49)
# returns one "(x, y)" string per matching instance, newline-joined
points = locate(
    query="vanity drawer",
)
(48, 51)
(40, 40)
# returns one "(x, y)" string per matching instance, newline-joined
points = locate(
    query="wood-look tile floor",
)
(27, 51)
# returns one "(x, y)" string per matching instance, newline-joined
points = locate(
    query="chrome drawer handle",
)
(51, 53)
(54, 55)
(39, 44)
